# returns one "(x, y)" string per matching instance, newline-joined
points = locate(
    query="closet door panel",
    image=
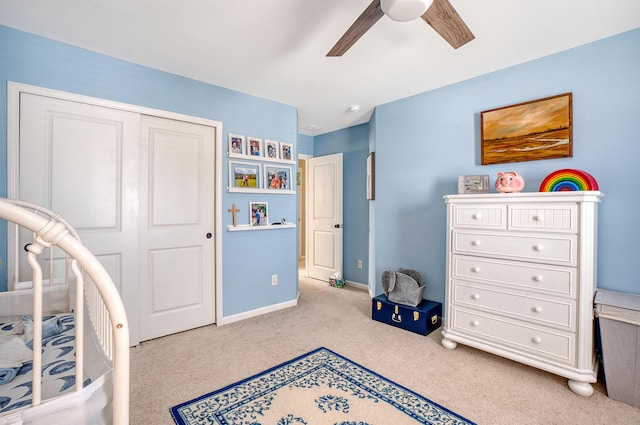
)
(177, 201)
(81, 161)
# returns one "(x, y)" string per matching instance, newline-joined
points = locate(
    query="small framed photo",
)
(271, 149)
(277, 178)
(286, 151)
(259, 213)
(237, 144)
(371, 176)
(473, 184)
(255, 146)
(244, 175)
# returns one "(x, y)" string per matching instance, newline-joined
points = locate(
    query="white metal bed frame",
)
(93, 286)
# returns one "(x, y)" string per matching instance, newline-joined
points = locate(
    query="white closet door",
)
(81, 161)
(140, 192)
(176, 227)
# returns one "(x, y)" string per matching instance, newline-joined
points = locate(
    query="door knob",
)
(209, 235)
(337, 226)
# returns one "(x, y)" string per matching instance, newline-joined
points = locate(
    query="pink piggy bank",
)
(509, 182)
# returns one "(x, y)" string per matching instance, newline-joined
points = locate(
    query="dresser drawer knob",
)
(475, 296)
(475, 243)
(537, 278)
(475, 323)
(538, 248)
(537, 309)
(476, 216)
(538, 217)
(537, 340)
(475, 269)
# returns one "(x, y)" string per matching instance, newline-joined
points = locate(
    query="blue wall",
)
(423, 143)
(305, 145)
(248, 258)
(353, 143)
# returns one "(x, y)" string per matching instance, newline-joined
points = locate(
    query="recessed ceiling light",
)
(354, 108)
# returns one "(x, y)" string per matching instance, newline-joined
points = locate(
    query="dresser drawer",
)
(480, 216)
(554, 249)
(556, 218)
(559, 346)
(555, 280)
(555, 312)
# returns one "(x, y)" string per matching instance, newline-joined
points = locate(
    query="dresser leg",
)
(581, 388)
(449, 344)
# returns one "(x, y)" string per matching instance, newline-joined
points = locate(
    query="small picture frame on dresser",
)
(473, 184)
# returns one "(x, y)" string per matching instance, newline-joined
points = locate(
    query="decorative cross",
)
(233, 210)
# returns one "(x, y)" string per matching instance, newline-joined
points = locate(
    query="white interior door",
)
(177, 227)
(81, 161)
(140, 192)
(324, 205)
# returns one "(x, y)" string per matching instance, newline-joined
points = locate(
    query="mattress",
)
(58, 366)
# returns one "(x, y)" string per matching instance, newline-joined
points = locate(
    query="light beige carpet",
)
(484, 388)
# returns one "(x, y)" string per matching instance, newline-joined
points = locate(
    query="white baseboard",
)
(357, 285)
(258, 312)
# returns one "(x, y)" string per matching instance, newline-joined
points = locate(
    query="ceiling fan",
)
(438, 13)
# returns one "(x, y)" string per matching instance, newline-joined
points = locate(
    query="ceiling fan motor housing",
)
(404, 10)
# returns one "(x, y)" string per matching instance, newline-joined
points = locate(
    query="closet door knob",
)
(209, 235)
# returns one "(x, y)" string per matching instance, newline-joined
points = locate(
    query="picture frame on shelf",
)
(271, 149)
(473, 184)
(259, 213)
(286, 151)
(277, 178)
(237, 144)
(254, 146)
(245, 175)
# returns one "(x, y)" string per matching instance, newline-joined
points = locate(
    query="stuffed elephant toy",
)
(403, 286)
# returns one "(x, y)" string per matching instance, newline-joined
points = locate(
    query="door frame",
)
(302, 210)
(13, 142)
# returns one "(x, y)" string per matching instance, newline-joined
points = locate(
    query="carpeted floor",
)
(482, 387)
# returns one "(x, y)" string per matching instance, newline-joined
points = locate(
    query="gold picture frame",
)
(529, 131)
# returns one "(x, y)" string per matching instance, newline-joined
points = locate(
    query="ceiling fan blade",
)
(445, 20)
(370, 16)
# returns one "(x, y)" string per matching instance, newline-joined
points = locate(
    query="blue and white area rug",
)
(318, 388)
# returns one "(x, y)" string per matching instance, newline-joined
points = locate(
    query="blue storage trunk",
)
(423, 319)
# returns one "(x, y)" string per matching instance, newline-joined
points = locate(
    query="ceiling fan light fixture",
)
(404, 10)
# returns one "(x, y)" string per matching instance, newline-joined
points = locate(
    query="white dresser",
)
(521, 276)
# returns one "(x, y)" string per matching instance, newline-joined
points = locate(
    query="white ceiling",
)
(275, 49)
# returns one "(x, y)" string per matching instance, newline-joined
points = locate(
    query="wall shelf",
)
(245, 227)
(260, 158)
(258, 190)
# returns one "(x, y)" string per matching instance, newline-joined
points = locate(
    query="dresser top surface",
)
(538, 197)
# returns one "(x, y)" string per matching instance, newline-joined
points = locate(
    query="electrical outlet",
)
(274, 279)
(359, 264)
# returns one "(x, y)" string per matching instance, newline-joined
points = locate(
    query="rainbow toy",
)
(567, 180)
